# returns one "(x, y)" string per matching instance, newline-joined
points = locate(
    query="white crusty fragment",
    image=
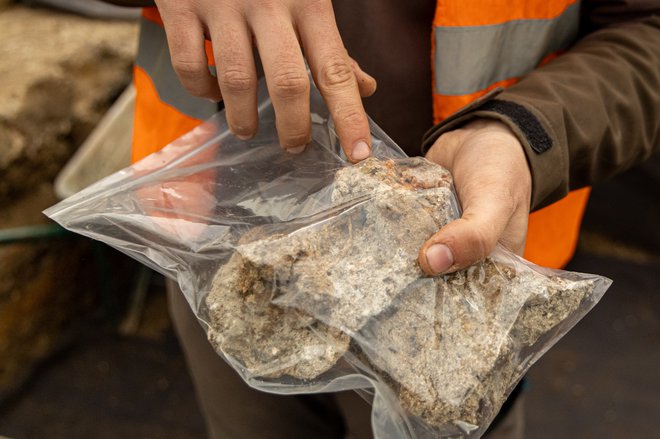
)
(342, 270)
(269, 341)
(348, 268)
(450, 346)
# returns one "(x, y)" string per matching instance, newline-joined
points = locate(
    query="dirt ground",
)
(600, 381)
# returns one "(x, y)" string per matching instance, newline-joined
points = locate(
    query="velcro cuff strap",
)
(522, 122)
(527, 123)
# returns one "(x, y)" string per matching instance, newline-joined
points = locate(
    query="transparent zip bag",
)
(303, 271)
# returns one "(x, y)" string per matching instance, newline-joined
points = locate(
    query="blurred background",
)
(86, 346)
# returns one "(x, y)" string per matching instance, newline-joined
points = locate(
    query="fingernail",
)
(360, 151)
(296, 150)
(242, 137)
(439, 258)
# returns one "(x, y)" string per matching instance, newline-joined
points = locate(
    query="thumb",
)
(468, 239)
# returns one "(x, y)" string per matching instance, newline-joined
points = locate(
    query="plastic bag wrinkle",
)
(303, 270)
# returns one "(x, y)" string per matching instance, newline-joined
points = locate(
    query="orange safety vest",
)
(477, 46)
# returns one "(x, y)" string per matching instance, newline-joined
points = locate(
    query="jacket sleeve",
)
(590, 113)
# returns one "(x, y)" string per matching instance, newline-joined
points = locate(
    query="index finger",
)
(333, 74)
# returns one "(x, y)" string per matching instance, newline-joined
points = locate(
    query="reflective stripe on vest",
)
(154, 58)
(164, 110)
(470, 58)
(478, 46)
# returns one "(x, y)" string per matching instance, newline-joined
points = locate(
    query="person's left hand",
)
(493, 182)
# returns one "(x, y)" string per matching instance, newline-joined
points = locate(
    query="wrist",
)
(485, 140)
(488, 125)
(478, 130)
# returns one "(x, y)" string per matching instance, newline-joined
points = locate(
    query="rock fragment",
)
(270, 341)
(450, 347)
(343, 269)
(453, 346)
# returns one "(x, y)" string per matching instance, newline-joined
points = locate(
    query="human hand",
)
(493, 182)
(280, 29)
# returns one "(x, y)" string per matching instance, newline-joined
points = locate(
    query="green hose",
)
(30, 233)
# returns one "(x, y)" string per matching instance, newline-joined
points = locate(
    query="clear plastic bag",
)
(303, 271)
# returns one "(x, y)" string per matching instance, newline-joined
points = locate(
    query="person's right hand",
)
(281, 30)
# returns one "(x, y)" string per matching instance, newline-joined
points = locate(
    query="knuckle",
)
(290, 84)
(192, 76)
(316, 6)
(336, 73)
(268, 6)
(505, 200)
(243, 131)
(482, 244)
(450, 137)
(352, 117)
(509, 201)
(448, 145)
(237, 81)
(242, 127)
(294, 139)
(188, 68)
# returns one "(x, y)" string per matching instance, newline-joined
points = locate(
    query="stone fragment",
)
(268, 340)
(343, 269)
(453, 346)
(450, 347)
(349, 267)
